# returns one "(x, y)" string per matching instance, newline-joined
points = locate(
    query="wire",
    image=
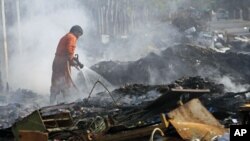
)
(98, 81)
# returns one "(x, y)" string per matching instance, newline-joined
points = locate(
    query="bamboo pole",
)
(5, 48)
(18, 26)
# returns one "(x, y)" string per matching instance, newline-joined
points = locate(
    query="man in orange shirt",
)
(61, 81)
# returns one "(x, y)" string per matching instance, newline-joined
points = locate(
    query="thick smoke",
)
(142, 42)
(43, 23)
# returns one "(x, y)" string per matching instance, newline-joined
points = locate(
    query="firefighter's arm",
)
(73, 60)
(70, 48)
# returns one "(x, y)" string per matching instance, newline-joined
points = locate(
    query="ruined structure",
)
(136, 108)
(175, 62)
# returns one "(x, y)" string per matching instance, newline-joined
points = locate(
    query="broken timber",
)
(189, 120)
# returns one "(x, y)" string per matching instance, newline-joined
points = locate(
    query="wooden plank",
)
(25, 135)
(191, 90)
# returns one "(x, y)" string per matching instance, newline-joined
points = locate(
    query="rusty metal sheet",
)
(193, 121)
(191, 130)
(194, 111)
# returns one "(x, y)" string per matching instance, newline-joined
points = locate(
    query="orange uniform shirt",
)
(61, 65)
(66, 46)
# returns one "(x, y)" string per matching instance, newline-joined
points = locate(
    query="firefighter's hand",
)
(73, 63)
(76, 63)
(80, 65)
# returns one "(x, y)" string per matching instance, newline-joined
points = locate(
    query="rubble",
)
(137, 110)
(168, 66)
(20, 104)
(192, 84)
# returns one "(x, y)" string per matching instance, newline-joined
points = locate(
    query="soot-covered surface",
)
(175, 62)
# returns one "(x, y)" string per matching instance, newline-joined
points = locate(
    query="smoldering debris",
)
(18, 104)
(141, 104)
(175, 62)
(147, 91)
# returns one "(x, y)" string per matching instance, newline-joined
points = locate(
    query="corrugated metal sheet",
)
(193, 121)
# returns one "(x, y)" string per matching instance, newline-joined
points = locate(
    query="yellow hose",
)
(153, 133)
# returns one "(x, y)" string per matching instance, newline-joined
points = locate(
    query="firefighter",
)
(61, 82)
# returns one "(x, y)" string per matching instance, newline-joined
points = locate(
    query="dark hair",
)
(76, 29)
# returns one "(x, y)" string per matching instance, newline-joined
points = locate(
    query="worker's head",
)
(76, 30)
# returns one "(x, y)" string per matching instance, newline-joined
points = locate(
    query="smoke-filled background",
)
(124, 30)
(42, 24)
(113, 30)
(125, 43)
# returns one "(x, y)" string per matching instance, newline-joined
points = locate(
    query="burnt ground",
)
(175, 62)
(148, 82)
(136, 102)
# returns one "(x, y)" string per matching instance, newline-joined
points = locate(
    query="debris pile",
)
(136, 109)
(174, 63)
(20, 104)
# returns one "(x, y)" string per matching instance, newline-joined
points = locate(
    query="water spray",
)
(98, 81)
(78, 65)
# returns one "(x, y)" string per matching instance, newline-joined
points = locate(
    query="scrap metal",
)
(90, 120)
(73, 121)
(193, 121)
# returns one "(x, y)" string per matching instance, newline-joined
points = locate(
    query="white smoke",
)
(141, 43)
(228, 81)
(43, 23)
(231, 86)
